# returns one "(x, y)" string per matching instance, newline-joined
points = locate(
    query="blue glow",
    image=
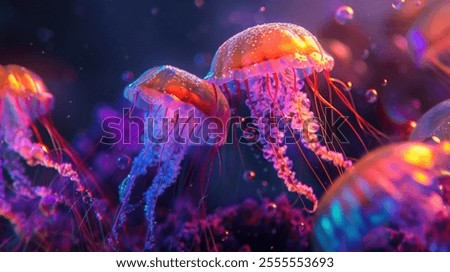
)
(352, 233)
(327, 243)
(348, 195)
(419, 43)
(325, 222)
(364, 187)
(389, 205)
(336, 213)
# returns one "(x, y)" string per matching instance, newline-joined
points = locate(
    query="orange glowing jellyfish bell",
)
(180, 109)
(270, 65)
(24, 99)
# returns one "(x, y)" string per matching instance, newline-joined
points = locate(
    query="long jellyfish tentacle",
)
(151, 155)
(166, 176)
(2, 183)
(145, 158)
(14, 167)
(36, 154)
(297, 105)
(272, 141)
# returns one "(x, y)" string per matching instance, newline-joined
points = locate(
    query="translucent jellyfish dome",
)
(23, 95)
(176, 89)
(267, 49)
(394, 188)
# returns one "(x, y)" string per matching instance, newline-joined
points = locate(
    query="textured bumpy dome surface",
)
(268, 48)
(174, 87)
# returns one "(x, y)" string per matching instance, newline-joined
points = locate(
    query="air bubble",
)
(249, 175)
(271, 209)
(123, 162)
(313, 127)
(199, 3)
(344, 14)
(127, 76)
(371, 96)
(398, 4)
(301, 227)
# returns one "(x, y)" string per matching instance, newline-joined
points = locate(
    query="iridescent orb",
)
(388, 201)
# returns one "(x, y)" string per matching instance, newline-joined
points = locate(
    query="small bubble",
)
(202, 60)
(441, 189)
(225, 236)
(344, 14)
(249, 175)
(123, 162)
(371, 96)
(301, 227)
(271, 209)
(68, 116)
(87, 199)
(313, 127)
(398, 4)
(262, 9)
(265, 183)
(199, 3)
(349, 86)
(416, 104)
(127, 76)
(384, 82)
(412, 124)
(155, 11)
(44, 34)
(365, 54)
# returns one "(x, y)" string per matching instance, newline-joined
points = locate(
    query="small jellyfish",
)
(271, 66)
(435, 123)
(429, 39)
(24, 99)
(395, 187)
(25, 102)
(180, 109)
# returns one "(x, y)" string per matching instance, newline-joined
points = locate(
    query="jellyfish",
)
(434, 125)
(25, 102)
(396, 188)
(180, 108)
(270, 65)
(24, 99)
